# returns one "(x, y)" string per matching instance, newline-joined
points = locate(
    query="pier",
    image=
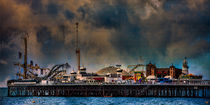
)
(138, 80)
(110, 90)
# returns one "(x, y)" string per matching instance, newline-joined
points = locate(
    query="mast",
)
(77, 48)
(25, 57)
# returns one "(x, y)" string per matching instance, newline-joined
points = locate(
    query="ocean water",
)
(4, 100)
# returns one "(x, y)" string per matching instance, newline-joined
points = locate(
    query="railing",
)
(183, 82)
(204, 82)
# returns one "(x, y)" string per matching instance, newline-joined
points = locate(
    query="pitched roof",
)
(110, 69)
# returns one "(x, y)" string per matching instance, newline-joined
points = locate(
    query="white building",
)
(114, 78)
(69, 77)
(81, 74)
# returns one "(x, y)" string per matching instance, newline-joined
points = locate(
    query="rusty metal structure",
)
(25, 58)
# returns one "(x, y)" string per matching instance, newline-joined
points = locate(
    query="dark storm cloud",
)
(50, 47)
(69, 15)
(191, 27)
(82, 10)
(175, 34)
(37, 6)
(115, 17)
(110, 17)
(52, 9)
(111, 31)
(7, 54)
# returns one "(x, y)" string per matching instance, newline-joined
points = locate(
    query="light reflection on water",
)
(100, 101)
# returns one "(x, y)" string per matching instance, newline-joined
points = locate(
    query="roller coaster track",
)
(59, 68)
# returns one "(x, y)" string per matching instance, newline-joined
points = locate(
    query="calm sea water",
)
(4, 100)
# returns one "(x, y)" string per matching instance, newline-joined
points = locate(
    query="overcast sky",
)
(111, 32)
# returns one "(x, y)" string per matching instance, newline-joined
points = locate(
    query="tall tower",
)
(185, 67)
(77, 48)
(25, 57)
(172, 71)
(148, 69)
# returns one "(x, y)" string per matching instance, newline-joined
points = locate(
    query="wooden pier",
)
(109, 90)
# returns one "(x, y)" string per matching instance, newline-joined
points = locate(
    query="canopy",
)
(151, 77)
(168, 76)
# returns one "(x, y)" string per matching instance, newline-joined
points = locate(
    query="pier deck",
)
(110, 90)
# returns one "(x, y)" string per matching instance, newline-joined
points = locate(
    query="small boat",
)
(107, 96)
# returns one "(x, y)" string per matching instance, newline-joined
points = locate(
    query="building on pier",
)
(171, 72)
(114, 78)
